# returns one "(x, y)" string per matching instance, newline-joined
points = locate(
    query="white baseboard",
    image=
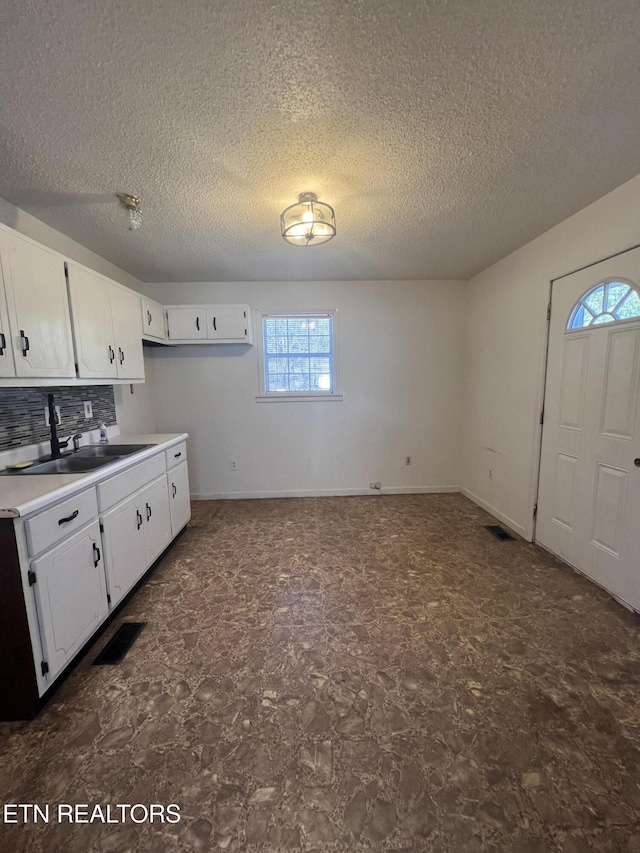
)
(513, 525)
(323, 493)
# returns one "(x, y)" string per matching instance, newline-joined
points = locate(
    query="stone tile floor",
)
(347, 674)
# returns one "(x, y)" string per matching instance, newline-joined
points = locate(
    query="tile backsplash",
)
(22, 412)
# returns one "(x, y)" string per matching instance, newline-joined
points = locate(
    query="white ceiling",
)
(446, 133)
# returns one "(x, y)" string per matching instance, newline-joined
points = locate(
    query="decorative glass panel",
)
(605, 303)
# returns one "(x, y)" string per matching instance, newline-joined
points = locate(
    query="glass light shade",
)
(309, 222)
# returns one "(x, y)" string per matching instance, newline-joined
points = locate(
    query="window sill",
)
(299, 398)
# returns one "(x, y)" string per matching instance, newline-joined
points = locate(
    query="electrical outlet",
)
(377, 485)
(233, 465)
(372, 485)
(407, 460)
(46, 415)
(88, 409)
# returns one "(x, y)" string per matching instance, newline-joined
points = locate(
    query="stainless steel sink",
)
(67, 465)
(81, 461)
(100, 450)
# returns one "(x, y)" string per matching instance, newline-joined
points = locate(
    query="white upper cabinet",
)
(106, 327)
(92, 326)
(187, 323)
(38, 309)
(125, 312)
(7, 365)
(152, 320)
(209, 324)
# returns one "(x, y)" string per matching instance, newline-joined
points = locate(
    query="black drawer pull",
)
(215, 328)
(96, 554)
(198, 323)
(3, 343)
(148, 512)
(69, 517)
(139, 517)
(177, 455)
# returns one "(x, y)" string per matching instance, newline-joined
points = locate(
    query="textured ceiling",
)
(446, 133)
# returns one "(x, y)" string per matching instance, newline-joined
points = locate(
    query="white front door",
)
(589, 495)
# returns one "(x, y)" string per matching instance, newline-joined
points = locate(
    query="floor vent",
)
(119, 644)
(499, 532)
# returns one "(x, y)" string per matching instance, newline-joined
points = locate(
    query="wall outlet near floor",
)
(88, 409)
(46, 415)
(407, 460)
(233, 465)
(376, 485)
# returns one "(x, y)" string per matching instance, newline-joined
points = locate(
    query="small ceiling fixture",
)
(131, 203)
(309, 222)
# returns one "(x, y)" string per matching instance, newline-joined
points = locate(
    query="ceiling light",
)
(131, 203)
(309, 222)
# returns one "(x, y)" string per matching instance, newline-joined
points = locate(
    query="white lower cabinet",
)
(179, 500)
(124, 547)
(65, 567)
(71, 595)
(157, 524)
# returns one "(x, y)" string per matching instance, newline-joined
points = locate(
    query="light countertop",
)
(22, 494)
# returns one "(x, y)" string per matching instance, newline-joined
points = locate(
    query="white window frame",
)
(292, 396)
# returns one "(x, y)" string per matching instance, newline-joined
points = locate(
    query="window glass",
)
(299, 354)
(605, 303)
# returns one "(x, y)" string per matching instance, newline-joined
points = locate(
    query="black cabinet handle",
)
(25, 342)
(148, 512)
(96, 554)
(139, 517)
(3, 343)
(69, 517)
(121, 351)
(198, 323)
(177, 455)
(215, 328)
(175, 491)
(148, 318)
(112, 354)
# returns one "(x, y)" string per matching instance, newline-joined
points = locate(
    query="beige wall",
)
(401, 347)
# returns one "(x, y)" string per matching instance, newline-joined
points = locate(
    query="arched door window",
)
(608, 302)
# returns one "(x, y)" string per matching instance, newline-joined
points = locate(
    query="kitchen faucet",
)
(56, 444)
(53, 420)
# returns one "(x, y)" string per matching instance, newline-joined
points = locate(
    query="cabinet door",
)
(179, 500)
(125, 312)
(71, 595)
(152, 319)
(124, 547)
(154, 505)
(227, 323)
(186, 324)
(39, 316)
(92, 328)
(7, 365)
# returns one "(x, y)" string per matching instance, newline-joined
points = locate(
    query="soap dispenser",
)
(103, 434)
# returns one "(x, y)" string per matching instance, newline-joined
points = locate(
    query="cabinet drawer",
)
(117, 488)
(52, 525)
(176, 454)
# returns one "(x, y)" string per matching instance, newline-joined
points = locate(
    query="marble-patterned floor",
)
(347, 674)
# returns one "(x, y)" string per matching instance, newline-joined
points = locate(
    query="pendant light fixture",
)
(309, 222)
(131, 203)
